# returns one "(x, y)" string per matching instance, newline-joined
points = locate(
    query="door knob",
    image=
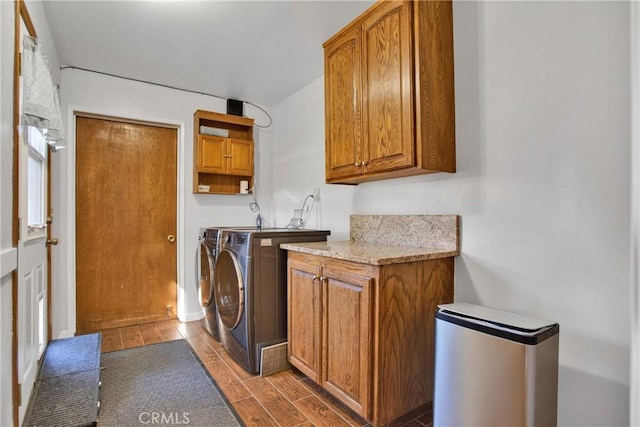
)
(52, 242)
(171, 238)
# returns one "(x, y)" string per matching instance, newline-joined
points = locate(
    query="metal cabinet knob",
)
(357, 164)
(52, 242)
(171, 238)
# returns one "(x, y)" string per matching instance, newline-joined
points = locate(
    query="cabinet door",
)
(211, 154)
(342, 105)
(347, 348)
(388, 141)
(240, 152)
(304, 327)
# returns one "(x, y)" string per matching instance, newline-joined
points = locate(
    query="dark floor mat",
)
(163, 384)
(70, 355)
(66, 400)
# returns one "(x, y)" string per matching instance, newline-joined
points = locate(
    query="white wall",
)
(543, 181)
(298, 166)
(89, 92)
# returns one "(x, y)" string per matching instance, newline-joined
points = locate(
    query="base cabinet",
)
(365, 333)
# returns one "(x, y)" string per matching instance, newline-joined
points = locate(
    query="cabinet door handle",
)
(364, 163)
(357, 164)
(318, 278)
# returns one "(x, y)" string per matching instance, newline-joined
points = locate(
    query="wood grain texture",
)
(278, 406)
(187, 330)
(434, 80)
(406, 104)
(387, 105)
(238, 370)
(205, 352)
(347, 347)
(289, 385)
(125, 209)
(408, 296)
(378, 331)
(343, 92)
(150, 333)
(240, 160)
(131, 337)
(319, 413)
(168, 331)
(221, 163)
(228, 381)
(211, 154)
(304, 317)
(335, 404)
(111, 340)
(253, 413)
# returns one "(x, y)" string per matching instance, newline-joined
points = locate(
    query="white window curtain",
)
(40, 100)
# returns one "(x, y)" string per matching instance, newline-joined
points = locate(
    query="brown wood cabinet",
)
(222, 162)
(365, 332)
(389, 93)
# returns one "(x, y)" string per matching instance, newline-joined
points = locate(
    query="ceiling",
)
(256, 51)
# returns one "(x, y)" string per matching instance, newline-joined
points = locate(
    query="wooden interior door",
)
(125, 223)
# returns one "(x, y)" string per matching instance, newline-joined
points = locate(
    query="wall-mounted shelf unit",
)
(222, 152)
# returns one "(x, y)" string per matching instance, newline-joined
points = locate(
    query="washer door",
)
(229, 289)
(205, 286)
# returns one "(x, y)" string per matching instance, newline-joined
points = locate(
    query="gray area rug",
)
(161, 384)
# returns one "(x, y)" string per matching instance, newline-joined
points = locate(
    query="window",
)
(36, 180)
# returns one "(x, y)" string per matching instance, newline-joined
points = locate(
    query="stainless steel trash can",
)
(494, 368)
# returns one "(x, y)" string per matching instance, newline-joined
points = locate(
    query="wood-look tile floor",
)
(284, 399)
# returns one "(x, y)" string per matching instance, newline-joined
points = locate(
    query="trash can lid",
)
(498, 317)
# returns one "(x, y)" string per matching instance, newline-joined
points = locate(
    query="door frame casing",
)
(634, 288)
(68, 180)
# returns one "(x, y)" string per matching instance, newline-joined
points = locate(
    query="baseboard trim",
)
(65, 334)
(191, 317)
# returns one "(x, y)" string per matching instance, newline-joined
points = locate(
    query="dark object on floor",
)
(66, 391)
(163, 384)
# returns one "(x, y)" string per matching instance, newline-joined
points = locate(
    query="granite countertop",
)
(369, 253)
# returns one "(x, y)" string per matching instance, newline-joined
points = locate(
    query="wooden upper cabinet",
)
(342, 114)
(225, 156)
(389, 94)
(211, 154)
(240, 160)
(221, 163)
(387, 105)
